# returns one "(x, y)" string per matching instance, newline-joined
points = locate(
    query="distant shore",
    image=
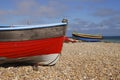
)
(78, 61)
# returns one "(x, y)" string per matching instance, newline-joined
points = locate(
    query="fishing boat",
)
(40, 44)
(86, 37)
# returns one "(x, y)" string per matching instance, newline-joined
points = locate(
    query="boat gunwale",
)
(27, 27)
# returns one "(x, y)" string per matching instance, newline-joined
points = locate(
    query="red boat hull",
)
(29, 48)
(32, 43)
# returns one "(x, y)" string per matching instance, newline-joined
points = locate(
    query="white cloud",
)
(117, 27)
(31, 9)
(106, 12)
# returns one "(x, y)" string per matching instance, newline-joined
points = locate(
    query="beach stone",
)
(78, 61)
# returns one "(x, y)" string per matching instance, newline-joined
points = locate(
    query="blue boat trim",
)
(90, 40)
(87, 39)
(21, 27)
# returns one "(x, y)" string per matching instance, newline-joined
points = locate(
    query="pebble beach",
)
(78, 61)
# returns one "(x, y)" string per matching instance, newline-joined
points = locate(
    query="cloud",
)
(85, 0)
(105, 12)
(118, 27)
(110, 23)
(110, 26)
(83, 25)
(113, 22)
(81, 22)
(34, 8)
(94, 0)
(31, 9)
(2, 12)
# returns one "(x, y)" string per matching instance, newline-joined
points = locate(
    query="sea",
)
(114, 39)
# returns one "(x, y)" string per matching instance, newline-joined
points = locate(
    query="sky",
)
(84, 16)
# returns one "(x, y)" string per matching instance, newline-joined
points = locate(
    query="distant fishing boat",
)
(86, 37)
(32, 43)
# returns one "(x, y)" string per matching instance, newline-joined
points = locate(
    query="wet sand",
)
(78, 61)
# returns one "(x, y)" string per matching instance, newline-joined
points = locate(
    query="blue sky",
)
(85, 16)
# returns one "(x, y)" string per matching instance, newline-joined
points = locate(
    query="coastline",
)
(78, 61)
